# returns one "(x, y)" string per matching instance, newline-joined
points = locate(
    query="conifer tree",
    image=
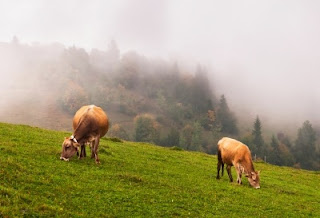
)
(196, 136)
(275, 154)
(305, 149)
(173, 138)
(186, 137)
(257, 137)
(225, 118)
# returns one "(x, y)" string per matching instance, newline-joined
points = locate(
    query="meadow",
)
(138, 180)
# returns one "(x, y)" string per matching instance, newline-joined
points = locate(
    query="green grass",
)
(138, 180)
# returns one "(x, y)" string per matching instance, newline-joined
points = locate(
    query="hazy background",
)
(264, 54)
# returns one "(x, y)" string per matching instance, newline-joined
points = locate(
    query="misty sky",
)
(265, 55)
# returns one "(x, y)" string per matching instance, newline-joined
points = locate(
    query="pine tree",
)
(258, 141)
(173, 138)
(225, 118)
(196, 137)
(186, 137)
(275, 156)
(305, 146)
(201, 94)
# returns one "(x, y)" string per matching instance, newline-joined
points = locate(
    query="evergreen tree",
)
(275, 156)
(173, 138)
(257, 140)
(225, 118)
(113, 52)
(196, 137)
(284, 140)
(305, 146)
(201, 94)
(186, 137)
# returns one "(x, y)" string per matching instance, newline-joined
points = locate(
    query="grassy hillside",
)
(136, 179)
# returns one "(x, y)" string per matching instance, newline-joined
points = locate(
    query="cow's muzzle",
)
(63, 158)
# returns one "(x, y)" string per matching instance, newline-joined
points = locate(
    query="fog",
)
(264, 55)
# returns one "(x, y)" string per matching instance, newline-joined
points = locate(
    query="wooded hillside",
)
(147, 99)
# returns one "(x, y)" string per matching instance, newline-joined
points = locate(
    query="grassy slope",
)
(136, 179)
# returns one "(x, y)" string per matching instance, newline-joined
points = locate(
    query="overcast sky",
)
(265, 55)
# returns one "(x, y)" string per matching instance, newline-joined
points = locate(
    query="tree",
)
(305, 146)
(201, 94)
(113, 52)
(284, 139)
(225, 118)
(186, 137)
(173, 138)
(73, 97)
(275, 156)
(196, 137)
(257, 139)
(129, 73)
(146, 129)
(118, 131)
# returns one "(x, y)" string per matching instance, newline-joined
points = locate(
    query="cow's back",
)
(92, 114)
(232, 150)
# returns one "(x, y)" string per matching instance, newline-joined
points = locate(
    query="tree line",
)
(154, 100)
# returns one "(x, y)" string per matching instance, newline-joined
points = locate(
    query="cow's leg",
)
(218, 169)
(220, 165)
(239, 173)
(92, 149)
(222, 168)
(83, 151)
(96, 146)
(229, 172)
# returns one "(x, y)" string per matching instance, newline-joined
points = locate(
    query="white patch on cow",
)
(63, 158)
(91, 106)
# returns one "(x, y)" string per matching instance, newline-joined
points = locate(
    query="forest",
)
(152, 100)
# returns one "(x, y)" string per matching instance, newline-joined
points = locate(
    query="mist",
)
(263, 55)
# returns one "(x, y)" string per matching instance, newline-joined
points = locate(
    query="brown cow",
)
(234, 153)
(90, 123)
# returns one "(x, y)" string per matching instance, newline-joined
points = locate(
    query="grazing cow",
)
(90, 123)
(234, 153)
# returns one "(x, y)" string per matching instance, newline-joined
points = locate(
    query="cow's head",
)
(254, 179)
(69, 147)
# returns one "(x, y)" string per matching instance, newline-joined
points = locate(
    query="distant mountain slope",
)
(137, 179)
